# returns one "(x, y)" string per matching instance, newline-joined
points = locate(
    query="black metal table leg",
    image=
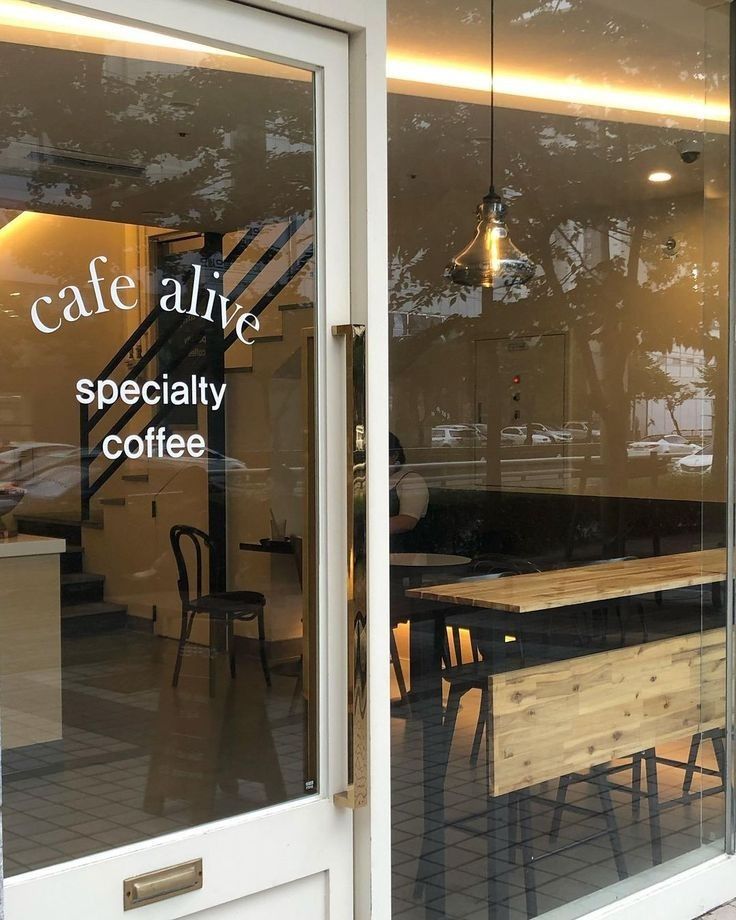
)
(427, 638)
(499, 856)
(604, 793)
(655, 830)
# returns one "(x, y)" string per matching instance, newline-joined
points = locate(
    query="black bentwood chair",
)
(228, 606)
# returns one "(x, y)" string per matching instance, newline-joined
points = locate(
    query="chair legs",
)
(604, 794)
(560, 800)
(655, 830)
(636, 783)
(527, 853)
(453, 706)
(479, 728)
(715, 736)
(690, 767)
(503, 839)
(396, 665)
(602, 782)
(187, 620)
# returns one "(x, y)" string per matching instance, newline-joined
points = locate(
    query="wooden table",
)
(520, 594)
(581, 585)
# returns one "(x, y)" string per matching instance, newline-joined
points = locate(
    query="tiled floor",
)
(451, 881)
(138, 758)
(122, 773)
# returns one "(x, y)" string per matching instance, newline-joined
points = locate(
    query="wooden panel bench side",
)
(568, 716)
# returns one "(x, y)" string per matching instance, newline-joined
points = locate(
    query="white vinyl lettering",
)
(94, 280)
(85, 391)
(121, 293)
(249, 320)
(129, 392)
(70, 314)
(122, 283)
(171, 302)
(176, 446)
(108, 450)
(196, 446)
(36, 319)
(155, 443)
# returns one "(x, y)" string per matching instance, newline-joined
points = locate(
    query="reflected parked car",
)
(556, 434)
(516, 434)
(24, 459)
(582, 431)
(700, 461)
(667, 445)
(63, 477)
(454, 436)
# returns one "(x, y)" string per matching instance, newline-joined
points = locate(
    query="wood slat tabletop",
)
(564, 587)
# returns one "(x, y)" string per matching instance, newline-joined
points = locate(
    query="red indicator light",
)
(516, 378)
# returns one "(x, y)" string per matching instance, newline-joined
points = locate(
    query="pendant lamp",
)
(491, 259)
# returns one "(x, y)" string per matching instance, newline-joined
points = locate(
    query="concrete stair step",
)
(295, 306)
(72, 560)
(99, 616)
(64, 527)
(81, 588)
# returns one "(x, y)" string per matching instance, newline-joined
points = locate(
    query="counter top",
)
(30, 545)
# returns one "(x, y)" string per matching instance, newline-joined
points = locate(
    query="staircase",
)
(83, 605)
(266, 260)
(135, 359)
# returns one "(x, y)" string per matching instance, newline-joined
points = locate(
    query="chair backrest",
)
(499, 564)
(610, 559)
(461, 647)
(467, 643)
(201, 542)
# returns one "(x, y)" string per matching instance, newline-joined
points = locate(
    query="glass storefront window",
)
(157, 454)
(558, 467)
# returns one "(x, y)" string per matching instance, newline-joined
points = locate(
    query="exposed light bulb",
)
(491, 259)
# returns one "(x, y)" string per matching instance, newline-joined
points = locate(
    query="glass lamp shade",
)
(491, 260)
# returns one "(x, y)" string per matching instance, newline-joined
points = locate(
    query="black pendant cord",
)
(491, 144)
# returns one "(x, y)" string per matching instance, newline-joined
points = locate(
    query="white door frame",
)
(97, 881)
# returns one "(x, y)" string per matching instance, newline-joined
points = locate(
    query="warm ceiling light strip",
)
(414, 70)
(19, 14)
(15, 223)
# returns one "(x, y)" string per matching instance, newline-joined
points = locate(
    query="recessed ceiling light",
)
(15, 293)
(660, 176)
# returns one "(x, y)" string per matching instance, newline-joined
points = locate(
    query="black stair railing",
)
(90, 440)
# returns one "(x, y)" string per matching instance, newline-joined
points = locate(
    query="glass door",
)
(560, 569)
(171, 269)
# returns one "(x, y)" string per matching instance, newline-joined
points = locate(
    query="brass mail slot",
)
(162, 884)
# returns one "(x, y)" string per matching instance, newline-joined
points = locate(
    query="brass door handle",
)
(356, 795)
